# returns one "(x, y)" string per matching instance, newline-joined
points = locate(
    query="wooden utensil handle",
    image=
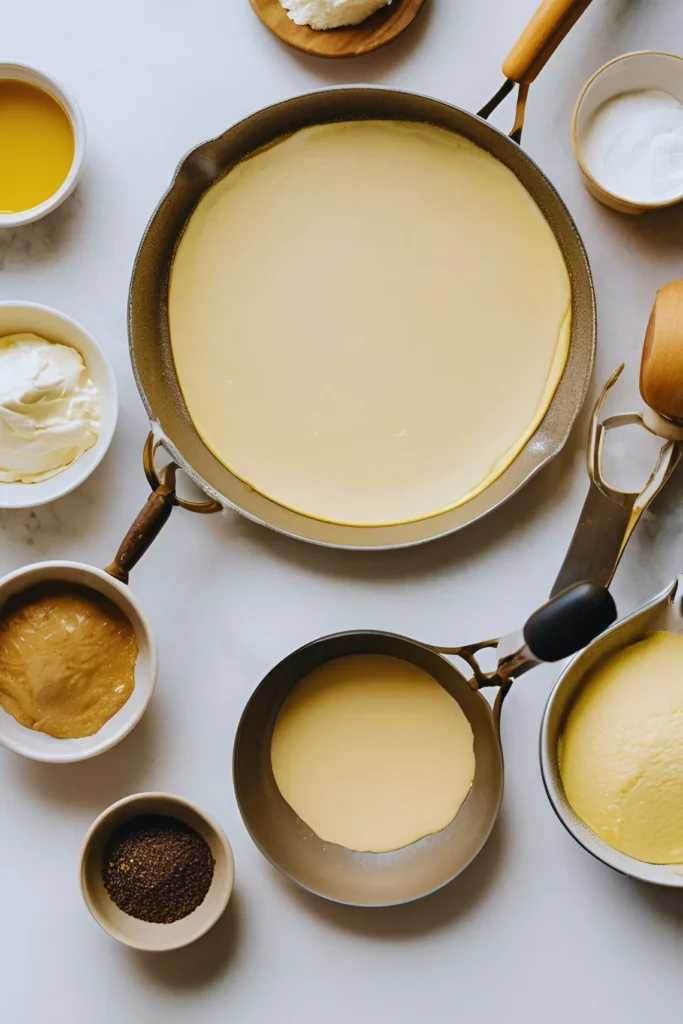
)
(661, 370)
(544, 33)
(146, 528)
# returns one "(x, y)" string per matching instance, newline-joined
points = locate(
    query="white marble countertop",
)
(535, 929)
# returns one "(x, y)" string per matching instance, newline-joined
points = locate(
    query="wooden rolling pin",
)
(661, 371)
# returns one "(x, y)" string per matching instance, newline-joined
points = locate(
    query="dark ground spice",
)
(157, 869)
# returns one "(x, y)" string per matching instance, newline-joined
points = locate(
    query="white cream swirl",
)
(326, 14)
(49, 408)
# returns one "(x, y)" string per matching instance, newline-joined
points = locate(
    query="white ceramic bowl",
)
(644, 69)
(140, 934)
(38, 745)
(31, 317)
(27, 73)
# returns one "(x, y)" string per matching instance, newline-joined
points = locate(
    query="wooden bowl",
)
(379, 29)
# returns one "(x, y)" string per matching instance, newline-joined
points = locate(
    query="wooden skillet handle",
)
(661, 371)
(143, 532)
(544, 33)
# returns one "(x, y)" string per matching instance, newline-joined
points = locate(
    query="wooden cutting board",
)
(381, 28)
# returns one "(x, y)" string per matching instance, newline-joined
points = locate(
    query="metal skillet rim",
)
(599, 850)
(287, 874)
(537, 451)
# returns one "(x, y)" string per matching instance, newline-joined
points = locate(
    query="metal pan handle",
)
(610, 516)
(564, 625)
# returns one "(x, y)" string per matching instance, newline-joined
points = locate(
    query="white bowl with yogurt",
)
(56, 416)
(627, 132)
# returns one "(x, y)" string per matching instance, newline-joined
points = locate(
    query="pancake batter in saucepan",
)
(368, 320)
(372, 753)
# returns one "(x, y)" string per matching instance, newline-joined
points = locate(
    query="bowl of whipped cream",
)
(58, 404)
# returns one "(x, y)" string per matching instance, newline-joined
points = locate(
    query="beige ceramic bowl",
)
(27, 73)
(644, 69)
(139, 934)
(38, 745)
(34, 318)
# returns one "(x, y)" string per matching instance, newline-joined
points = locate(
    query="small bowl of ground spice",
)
(156, 871)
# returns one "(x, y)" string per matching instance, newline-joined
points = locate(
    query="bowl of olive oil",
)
(43, 144)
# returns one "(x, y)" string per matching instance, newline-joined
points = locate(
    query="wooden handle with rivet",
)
(544, 33)
(661, 370)
(146, 528)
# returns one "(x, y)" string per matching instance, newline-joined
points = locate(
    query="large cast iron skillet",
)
(148, 309)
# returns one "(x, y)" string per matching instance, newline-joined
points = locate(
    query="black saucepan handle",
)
(570, 621)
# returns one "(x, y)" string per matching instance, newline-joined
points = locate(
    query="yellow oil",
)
(36, 145)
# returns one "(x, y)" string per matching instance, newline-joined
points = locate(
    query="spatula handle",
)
(544, 33)
(661, 370)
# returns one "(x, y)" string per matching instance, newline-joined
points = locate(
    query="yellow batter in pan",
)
(372, 753)
(621, 753)
(369, 320)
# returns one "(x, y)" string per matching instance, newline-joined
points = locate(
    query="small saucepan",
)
(564, 625)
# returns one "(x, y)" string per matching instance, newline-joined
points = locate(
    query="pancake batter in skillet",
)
(373, 753)
(369, 320)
